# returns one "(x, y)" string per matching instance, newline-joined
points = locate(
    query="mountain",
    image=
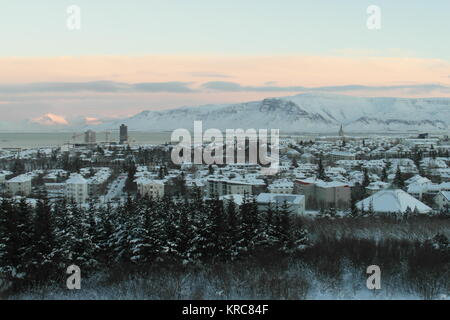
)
(304, 113)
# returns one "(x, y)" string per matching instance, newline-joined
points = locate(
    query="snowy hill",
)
(305, 113)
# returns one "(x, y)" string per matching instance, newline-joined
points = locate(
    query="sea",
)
(55, 139)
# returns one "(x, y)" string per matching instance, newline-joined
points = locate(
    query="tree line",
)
(38, 243)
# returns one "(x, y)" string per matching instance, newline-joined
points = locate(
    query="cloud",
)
(410, 88)
(233, 86)
(209, 75)
(95, 86)
(92, 120)
(50, 119)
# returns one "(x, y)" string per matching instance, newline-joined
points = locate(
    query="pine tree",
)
(384, 175)
(321, 171)
(366, 179)
(232, 235)
(354, 212)
(74, 243)
(249, 225)
(104, 234)
(399, 182)
(43, 242)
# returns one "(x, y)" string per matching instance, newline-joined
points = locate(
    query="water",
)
(53, 139)
(32, 140)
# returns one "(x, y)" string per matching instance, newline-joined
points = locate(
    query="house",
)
(376, 186)
(20, 185)
(220, 185)
(77, 188)
(333, 194)
(3, 175)
(341, 155)
(392, 201)
(153, 188)
(442, 199)
(237, 199)
(295, 202)
(323, 194)
(281, 186)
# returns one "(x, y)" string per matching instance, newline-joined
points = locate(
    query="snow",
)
(392, 201)
(303, 113)
(76, 179)
(279, 198)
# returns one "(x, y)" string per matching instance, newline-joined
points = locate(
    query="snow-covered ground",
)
(115, 189)
(296, 282)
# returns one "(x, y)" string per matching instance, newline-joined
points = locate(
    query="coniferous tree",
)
(384, 175)
(232, 229)
(366, 179)
(43, 242)
(16, 241)
(399, 181)
(321, 171)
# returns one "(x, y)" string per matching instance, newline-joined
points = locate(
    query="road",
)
(115, 189)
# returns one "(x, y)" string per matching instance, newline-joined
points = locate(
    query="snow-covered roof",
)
(418, 179)
(238, 199)
(392, 200)
(76, 179)
(21, 178)
(279, 198)
(146, 181)
(446, 195)
(331, 184)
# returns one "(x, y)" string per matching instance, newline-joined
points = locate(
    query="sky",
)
(136, 55)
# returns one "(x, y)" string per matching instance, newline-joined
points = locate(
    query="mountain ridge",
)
(307, 112)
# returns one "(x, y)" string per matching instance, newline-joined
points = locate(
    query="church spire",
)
(341, 132)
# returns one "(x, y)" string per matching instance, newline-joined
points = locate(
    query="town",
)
(324, 175)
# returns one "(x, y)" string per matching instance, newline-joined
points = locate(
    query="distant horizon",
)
(76, 122)
(72, 60)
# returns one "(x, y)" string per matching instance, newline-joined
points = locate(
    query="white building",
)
(3, 175)
(77, 188)
(281, 186)
(442, 199)
(295, 202)
(392, 201)
(150, 187)
(341, 155)
(220, 185)
(20, 185)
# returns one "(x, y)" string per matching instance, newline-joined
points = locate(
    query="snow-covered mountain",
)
(304, 113)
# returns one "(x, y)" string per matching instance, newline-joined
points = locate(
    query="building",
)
(123, 132)
(295, 202)
(281, 186)
(392, 201)
(333, 194)
(321, 194)
(376, 186)
(152, 188)
(90, 137)
(442, 199)
(220, 186)
(341, 132)
(77, 188)
(20, 185)
(341, 155)
(3, 175)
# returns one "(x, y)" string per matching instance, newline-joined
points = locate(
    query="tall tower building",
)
(123, 134)
(90, 137)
